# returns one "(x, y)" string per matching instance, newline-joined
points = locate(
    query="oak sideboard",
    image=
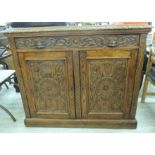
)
(79, 76)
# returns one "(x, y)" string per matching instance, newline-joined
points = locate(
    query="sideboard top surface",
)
(77, 30)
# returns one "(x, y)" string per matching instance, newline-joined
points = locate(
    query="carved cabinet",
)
(79, 76)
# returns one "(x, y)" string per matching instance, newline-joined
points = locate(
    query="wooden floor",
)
(12, 100)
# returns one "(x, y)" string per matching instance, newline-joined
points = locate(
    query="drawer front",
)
(77, 41)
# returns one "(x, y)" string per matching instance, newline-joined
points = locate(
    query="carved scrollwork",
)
(43, 42)
(77, 41)
(83, 42)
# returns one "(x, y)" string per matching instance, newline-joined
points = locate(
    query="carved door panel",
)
(48, 79)
(107, 78)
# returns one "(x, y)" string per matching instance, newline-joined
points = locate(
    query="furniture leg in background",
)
(8, 112)
(6, 75)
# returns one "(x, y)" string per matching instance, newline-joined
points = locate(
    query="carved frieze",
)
(77, 41)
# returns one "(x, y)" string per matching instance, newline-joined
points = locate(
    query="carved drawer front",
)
(78, 41)
(107, 83)
(48, 80)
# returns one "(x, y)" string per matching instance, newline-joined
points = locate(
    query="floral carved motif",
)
(49, 85)
(106, 85)
(77, 41)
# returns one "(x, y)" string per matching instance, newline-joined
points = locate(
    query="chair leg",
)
(6, 85)
(144, 90)
(8, 112)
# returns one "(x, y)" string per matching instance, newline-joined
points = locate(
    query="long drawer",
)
(77, 41)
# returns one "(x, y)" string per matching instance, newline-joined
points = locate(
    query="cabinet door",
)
(107, 78)
(48, 79)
